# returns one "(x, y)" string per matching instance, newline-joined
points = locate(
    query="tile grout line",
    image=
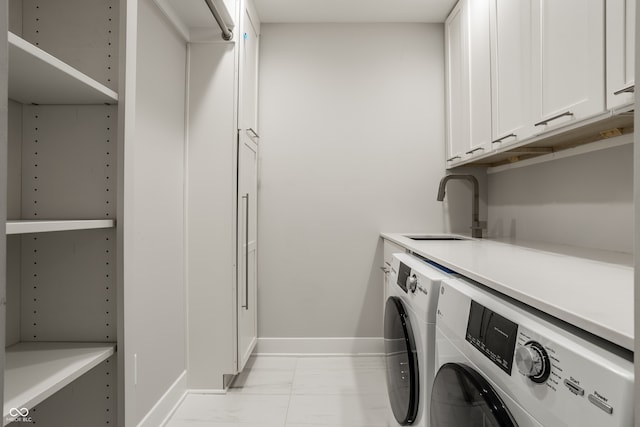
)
(293, 380)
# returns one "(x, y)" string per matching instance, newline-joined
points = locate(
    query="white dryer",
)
(409, 337)
(503, 364)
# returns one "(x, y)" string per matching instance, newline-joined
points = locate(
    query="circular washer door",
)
(462, 397)
(402, 362)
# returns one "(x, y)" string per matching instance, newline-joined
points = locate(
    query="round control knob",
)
(532, 360)
(412, 283)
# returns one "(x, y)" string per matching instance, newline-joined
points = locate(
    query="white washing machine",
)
(409, 337)
(501, 364)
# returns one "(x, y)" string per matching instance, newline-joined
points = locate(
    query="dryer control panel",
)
(494, 335)
(554, 372)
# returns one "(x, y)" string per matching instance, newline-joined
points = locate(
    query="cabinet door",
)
(248, 90)
(511, 71)
(479, 57)
(568, 60)
(457, 125)
(620, 52)
(247, 247)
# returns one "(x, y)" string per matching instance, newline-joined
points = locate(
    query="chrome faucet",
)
(476, 225)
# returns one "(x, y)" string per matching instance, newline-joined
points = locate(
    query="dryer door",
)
(402, 362)
(462, 397)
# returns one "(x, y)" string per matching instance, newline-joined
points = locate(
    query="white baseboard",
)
(167, 404)
(339, 346)
(206, 391)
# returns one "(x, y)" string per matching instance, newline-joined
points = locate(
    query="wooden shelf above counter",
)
(598, 128)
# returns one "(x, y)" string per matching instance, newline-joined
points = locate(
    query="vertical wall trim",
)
(186, 201)
(126, 129)
(4, 24)
(636, 198)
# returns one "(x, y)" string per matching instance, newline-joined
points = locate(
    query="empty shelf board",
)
(36, 370)
(36, 77)
(44, 226)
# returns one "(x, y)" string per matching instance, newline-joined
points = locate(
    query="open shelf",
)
(44, 226)
(36, 77)
(597, 128)
(34, 371)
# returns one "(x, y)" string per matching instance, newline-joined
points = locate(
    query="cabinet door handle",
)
(544, 122)
(504, 137)
(246, 253)
(255, 134)
(628, 89)
(474, 150)
(453, 158)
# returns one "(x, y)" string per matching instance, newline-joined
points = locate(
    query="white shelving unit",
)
(62, 315)
(29, 226)
(34, 371)
(36, 77)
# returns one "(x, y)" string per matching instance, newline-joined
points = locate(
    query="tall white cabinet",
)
(222, 142)
(247, 289)
(247, 208)
(63, 145)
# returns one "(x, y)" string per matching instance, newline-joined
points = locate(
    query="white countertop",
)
(590, 289)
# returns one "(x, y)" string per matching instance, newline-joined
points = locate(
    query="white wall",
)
(636, 223)
(585, 200)
(154, 271)
(352, 144)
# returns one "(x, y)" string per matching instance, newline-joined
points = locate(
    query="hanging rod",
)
(227, 33)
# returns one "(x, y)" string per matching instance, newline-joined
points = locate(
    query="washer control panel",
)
(417, 282)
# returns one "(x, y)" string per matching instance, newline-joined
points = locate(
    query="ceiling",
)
(343, 11)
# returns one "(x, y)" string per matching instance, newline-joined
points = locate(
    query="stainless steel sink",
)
(435, 237)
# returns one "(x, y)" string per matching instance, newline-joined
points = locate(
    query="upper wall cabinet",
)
(568, 61)
(620, 52)
(511, 71)
(468, 74)
(456, 83)
(543, 76)
(479, 77)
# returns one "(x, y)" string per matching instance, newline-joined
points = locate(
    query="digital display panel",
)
(492, 334)
(403, 273)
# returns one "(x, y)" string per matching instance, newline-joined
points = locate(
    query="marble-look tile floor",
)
(295, 392)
